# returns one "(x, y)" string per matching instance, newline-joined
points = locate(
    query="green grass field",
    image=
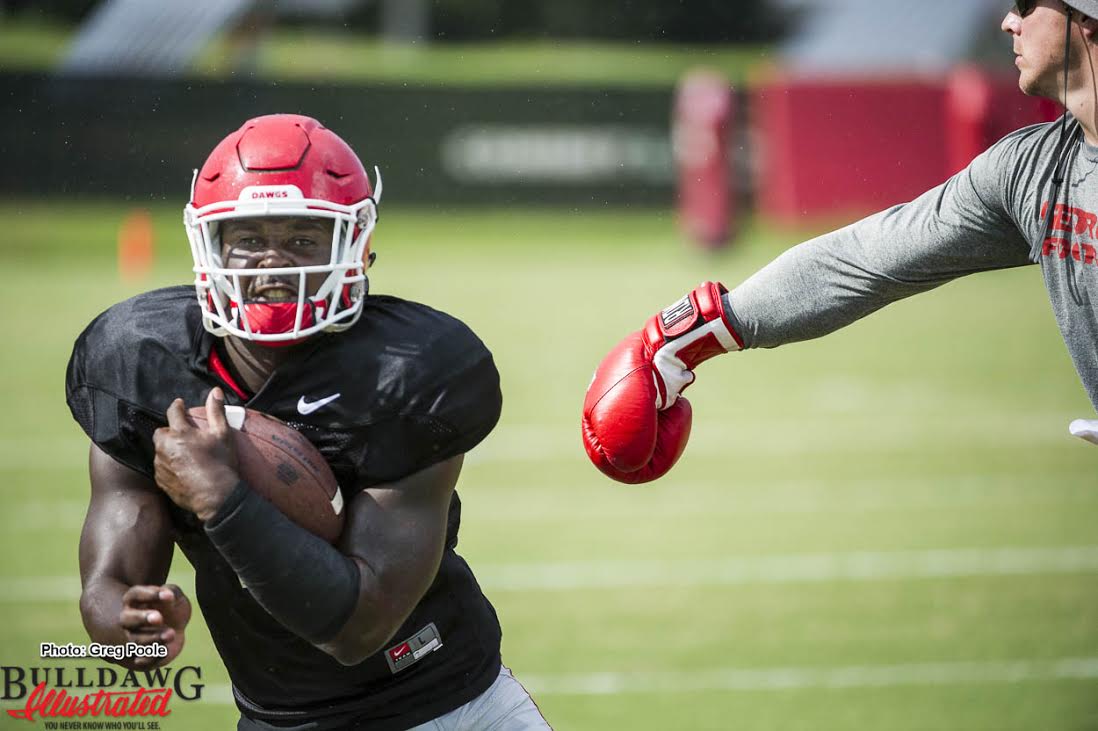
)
(886, 529)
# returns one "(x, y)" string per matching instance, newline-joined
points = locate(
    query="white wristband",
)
(673, 371)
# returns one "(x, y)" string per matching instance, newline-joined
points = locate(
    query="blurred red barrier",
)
(982, 107)
(848, 147)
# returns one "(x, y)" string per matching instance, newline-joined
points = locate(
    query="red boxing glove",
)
(635, 425)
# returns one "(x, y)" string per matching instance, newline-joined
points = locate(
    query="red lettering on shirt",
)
(1075, 222)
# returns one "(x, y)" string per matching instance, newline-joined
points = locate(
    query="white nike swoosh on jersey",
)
(307, 407)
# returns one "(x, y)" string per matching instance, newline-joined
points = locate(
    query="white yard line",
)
(831, 496)
(807, 568)
(822, 433)
(808, 678)
(787, 569)
(540, 442)
(789, 678)
(742, 498)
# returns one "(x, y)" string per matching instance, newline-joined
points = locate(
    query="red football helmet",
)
(282, 165)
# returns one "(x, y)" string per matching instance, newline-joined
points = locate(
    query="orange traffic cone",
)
(135, 246)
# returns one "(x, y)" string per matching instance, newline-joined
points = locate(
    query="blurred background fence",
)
(840, 107)
(142, 137)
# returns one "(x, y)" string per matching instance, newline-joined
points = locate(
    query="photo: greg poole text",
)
(95, 649)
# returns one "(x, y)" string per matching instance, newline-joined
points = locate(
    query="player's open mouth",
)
(272, 293)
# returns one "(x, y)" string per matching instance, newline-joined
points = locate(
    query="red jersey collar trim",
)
(218, 367)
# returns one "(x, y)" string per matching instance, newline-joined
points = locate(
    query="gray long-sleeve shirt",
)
(985, 217)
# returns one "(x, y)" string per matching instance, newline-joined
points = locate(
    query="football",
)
(280, 464)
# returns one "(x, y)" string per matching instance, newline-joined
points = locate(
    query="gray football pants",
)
(505, 706)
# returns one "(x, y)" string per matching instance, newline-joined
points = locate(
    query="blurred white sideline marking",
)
(788, 569)
(835, 494)
(796, 678)
(541, 442)
(791, 678)
(806, 568)
(838, 496)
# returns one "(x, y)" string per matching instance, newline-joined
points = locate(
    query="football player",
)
(386, 630)
(1030, 198)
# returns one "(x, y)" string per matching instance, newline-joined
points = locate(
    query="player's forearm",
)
(100, 608)
(306, 584)
(372, 624)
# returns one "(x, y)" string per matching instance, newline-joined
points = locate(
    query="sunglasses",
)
(1024, 7)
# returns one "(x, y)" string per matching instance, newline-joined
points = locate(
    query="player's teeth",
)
(277, 294)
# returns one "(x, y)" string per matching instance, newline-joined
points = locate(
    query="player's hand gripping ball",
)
(284, 467)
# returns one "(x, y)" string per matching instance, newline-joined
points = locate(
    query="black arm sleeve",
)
(304, 583)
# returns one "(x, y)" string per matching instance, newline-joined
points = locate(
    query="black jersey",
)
(415, 387)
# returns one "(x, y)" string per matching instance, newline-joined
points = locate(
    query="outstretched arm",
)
(634, 423)
(967, 224)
